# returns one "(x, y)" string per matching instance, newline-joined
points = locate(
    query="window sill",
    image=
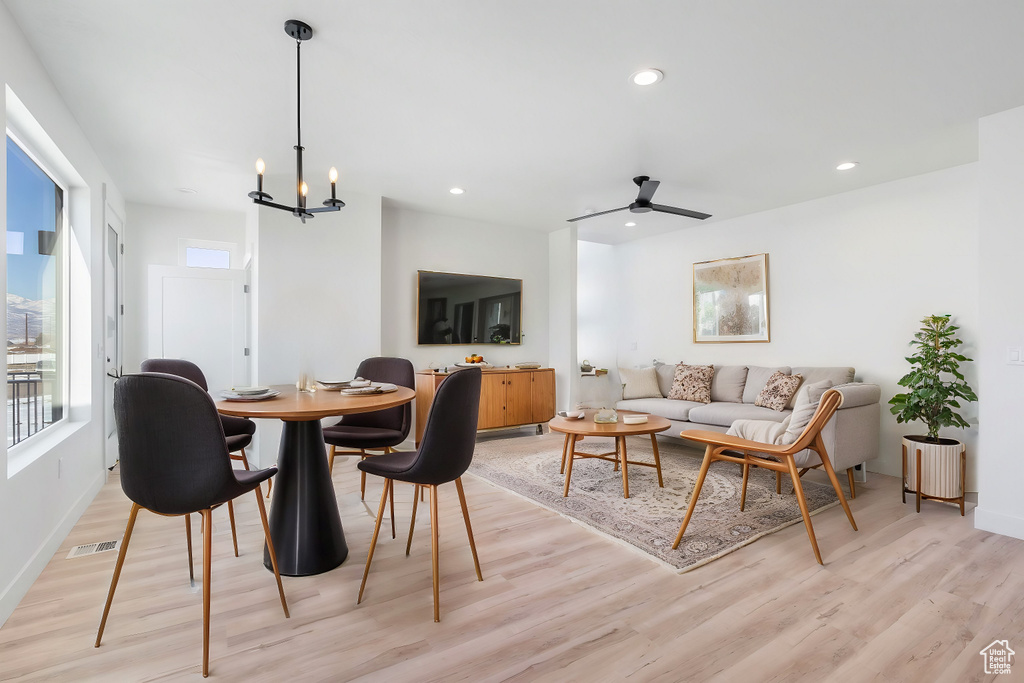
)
(28, 451)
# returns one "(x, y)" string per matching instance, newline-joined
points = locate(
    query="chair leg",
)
(827, 464)
(435, 565)
(362, 477)
(798, 489)
(373, 540)
(273, 553)
(704, 467)
(469, 528)
(330, 461)
(565, 449)
(743, 494)
(117, 569)
(207, 565)
(417, 492)
(231, 518)
(270, 485)
(188, 542)
(853, 487)
(778, 482)
(391, 499)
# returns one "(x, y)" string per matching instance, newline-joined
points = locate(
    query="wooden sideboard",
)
(508, 397)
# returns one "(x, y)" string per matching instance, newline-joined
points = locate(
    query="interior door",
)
(199, 314)
(113, 311)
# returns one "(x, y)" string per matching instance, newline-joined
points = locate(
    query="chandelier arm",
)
(299, 199)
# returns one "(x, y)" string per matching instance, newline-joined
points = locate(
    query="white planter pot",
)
(942, 468)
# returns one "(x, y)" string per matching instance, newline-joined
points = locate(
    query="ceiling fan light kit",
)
(643, 203)
(300, 31)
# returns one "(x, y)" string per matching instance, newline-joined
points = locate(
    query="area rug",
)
(649, 519)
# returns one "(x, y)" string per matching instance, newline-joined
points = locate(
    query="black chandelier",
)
(300, 31)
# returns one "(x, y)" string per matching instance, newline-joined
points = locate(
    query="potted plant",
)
(935, 388)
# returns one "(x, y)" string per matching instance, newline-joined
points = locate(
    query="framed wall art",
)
(730, 300)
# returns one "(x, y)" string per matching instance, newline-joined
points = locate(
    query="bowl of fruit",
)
(474, 360)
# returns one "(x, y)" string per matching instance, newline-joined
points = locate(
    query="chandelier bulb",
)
(260, 166)
(333, 174)
(305, 189)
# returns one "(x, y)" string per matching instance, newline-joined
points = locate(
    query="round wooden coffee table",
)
(575, 430)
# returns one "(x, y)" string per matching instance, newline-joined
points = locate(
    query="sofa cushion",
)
(724, 414)
(806, 405)
(692, 383)
(727, 384)
(666, 374)
(778, 390)
(639, 383)
(665, 407)
(836, 375)
(757, 377)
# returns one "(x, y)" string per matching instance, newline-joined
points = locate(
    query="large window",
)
(35, 297)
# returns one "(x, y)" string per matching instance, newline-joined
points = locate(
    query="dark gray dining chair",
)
(444, 455)
(380, 430)
(174, 461)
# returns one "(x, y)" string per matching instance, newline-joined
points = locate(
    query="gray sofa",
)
(851, 436)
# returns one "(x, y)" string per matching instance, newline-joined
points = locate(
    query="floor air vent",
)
(93, 548)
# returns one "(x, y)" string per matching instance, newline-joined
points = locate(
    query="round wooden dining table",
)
(304, 519)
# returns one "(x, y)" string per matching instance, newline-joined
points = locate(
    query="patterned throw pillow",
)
(778, 390)
(639, 383)
(692, 383)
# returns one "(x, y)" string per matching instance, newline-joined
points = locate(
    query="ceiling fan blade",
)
(599, 213)
(680, 212)
(647, 190)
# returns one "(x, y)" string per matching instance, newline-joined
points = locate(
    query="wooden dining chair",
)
(770, 456)
(174, 461)
(444, 455)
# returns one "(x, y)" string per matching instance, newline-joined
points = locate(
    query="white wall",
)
(597, 321)
(413, 240)
(1001, 391)
(37, 507)
(562, 266)
(319, 298)
(849, 276)
(154, 238)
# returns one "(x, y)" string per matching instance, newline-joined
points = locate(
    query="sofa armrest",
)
(857, 394)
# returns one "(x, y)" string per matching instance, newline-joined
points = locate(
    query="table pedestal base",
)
(304, 519)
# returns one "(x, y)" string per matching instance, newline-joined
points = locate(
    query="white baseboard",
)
(998, 523)
(16, 590)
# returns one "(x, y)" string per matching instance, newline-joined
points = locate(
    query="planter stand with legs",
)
(935, 470)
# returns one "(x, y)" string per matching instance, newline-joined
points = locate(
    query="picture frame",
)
(730, 300)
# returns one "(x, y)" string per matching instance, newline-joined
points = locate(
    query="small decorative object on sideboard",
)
(934, 466)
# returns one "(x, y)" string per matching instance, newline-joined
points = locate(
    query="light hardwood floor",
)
(911, 597)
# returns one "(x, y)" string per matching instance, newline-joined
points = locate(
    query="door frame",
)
(112, 364)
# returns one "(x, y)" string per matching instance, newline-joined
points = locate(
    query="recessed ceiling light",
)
(846, 165)
(647, 76)
(456, 190)
(631, 224)
(187, 190)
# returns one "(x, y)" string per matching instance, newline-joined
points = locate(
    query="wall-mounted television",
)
(453, 308)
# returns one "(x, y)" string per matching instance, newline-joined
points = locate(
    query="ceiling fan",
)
(643, 203)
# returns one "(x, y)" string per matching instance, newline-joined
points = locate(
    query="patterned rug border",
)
(637, 549)
(641, 551)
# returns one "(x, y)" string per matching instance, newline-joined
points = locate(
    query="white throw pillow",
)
(762, 431)
(639, 383)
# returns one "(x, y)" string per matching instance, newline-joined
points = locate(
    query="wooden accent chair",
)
(772, 457)
(174, 461)
(379, 430)
(444, 455)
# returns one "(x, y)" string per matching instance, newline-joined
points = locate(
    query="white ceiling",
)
(526, 104)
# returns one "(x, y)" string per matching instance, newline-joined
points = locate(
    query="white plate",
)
(248, 391)
(374, 388)
(232, 396)
(334, 386)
